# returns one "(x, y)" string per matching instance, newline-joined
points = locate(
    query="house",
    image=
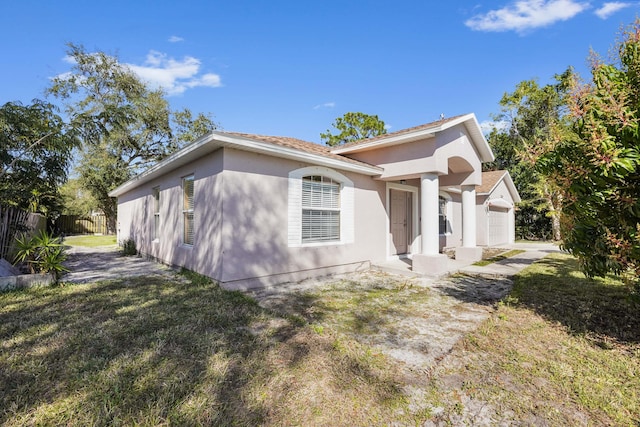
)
(252, 210)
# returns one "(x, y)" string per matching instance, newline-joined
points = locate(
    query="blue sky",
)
(290, 68)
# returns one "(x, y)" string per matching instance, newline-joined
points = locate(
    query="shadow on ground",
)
(603, 307)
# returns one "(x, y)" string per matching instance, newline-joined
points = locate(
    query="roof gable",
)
(490, 181)
(424, 131)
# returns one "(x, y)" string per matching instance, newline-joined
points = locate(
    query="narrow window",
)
(320, 209)
(156, 213)
(187, 210)
(442, 210)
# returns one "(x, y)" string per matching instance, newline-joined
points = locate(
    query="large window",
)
(187, 210)
(320, 209)
(156, 213)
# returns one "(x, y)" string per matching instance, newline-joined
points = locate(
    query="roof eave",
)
(215, 140)
(394, 140)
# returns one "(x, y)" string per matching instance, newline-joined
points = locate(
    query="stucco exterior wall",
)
(454, 237)
(450, 149)
(254, 231)
(241, 217)
(482, 221)
(135, 217)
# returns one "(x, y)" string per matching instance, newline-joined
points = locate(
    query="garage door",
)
(498, 226)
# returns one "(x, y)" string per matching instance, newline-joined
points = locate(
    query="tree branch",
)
(18, 157)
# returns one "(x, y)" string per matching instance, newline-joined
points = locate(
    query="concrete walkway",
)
(95, 264)
(505, 268)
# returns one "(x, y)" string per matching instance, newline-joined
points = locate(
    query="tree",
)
(531, 220)
(124, 125)
(598, 170)
(76, 199)
(35, 151)
(536, 117)
(354, 127)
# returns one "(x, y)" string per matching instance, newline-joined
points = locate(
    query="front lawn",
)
(151, 351)
(560, 350)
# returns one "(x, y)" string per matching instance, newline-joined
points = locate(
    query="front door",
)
(400, 217)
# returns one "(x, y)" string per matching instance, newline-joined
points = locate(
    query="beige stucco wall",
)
(240, 215)
(254, 232)
(135, 217)
(449, 151)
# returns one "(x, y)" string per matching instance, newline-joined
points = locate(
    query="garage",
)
(498, 225)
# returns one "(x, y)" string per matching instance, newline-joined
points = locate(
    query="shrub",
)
(42, 253)
(129, 247)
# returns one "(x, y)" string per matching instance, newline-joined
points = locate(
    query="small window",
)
(442, 211)
(187, 210)
(156, 213)
(320, 209)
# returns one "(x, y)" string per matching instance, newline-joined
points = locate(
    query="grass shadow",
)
(153, 350)
(602, 308)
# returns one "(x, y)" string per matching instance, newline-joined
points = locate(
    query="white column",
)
(429, 226)
(468, 216)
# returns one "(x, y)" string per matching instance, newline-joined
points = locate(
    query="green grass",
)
(560, 350)
(91, 241)
(153, 351)
(500, 257)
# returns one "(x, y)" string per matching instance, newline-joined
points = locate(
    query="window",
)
(187, 210)
(320, 209)
(444, 213)
(156, 213)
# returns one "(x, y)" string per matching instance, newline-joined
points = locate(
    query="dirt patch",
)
(416, 321)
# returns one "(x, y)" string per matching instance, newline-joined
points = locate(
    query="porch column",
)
(469, 252)
(429, 226)
(468, 216)
(430, 261)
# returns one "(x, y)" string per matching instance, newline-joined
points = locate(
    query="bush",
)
(129, 247)
(42, 253)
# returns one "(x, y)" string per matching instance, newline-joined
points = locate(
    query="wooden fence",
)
(74, 224)
(12, 221)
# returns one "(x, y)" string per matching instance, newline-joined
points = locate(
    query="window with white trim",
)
(187, 210)
(156, 213)
(320, 209)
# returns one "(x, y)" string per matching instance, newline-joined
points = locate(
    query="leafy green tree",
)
(353, 127)
(35, 151)
(125, 126)
(536, 117)
(598, 170)
(76, 199)
(531, 220)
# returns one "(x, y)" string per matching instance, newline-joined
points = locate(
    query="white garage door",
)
(498, 226)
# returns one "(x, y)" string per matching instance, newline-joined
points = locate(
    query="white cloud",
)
(387, 127)
(525, 15)
(488, 125)
(610, 8)
(175, 39)
(325, 105)
(174, 76)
